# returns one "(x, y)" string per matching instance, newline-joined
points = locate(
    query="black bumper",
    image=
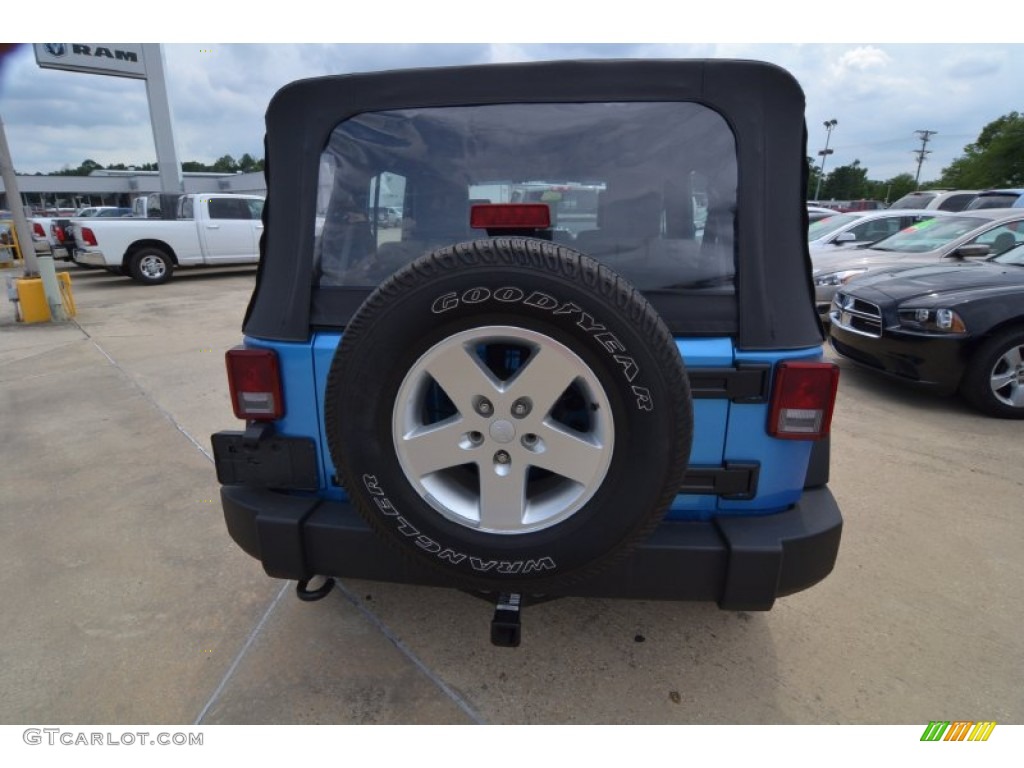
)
(742, 563)
(932, 363)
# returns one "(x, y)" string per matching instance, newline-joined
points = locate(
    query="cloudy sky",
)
(880, 92)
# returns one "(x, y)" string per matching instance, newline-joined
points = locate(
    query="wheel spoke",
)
(1013, 357)
(1000, 380)
(502, 496)
(573, 456)
(1015, 396)
(459, 372)
(435, 447)
(544, 379)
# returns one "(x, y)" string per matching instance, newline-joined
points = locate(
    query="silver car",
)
(955, 236)
(859, 228)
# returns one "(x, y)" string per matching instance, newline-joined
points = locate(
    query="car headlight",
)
(931, 320)
(838, 278)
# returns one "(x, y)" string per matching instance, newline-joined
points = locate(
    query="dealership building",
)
(47, 194)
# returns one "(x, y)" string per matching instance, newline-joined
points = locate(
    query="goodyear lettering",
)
(609, 342)
(541, 301)
(508, 295)
(584, 321)
(644, 401)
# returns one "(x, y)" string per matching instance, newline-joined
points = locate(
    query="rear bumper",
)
(95, 258)
(742, 563)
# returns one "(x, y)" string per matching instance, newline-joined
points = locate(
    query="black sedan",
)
(952, 327)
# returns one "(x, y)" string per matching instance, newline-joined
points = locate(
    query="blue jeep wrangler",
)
(585, 362)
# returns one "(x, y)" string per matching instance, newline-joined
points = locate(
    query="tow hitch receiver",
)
(307, 595)
(506, 626)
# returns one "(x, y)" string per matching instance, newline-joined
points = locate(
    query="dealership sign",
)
(119, 59)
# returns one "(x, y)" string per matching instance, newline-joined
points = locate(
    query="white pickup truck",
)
(210, 230)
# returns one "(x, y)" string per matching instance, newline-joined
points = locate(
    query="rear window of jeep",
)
(649, 188)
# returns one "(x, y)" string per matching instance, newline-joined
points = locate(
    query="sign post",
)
(143, 61)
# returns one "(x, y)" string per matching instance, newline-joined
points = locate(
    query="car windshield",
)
(914, 200)
(647, 187)
(827, 226)
(930, 235)
(1014, 257)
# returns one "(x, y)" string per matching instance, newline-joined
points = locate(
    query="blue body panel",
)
(723, 431)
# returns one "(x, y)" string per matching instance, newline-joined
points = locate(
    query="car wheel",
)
(151, 266)
(994, 382)
(510, 412)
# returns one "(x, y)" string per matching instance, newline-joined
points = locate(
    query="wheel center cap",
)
(502, 431)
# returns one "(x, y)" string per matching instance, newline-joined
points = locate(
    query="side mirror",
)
(845, 237)
(971, 251)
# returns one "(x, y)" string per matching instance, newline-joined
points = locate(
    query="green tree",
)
(847, 182)
(995, 159)
(891, 190)
(249, 164)
(226, 164)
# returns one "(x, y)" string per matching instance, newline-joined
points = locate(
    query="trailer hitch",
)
(306, 595)
(506, 626)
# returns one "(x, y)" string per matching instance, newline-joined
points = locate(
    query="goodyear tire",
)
(510, 412)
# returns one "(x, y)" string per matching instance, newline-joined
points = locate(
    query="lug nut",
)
(501, 457)
(529, 440)
(521, 407)
(484, 407)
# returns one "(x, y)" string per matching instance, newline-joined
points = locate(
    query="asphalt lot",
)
(127, 602)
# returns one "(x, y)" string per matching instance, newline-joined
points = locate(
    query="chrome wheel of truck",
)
(151, 266)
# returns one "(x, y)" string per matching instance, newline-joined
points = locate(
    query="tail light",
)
(37, 230)
(57, 232)
(510, 216)
(803, 396)
(255, 383)
(88, 236)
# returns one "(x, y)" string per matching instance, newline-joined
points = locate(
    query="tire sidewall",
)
(137, 273)
(977, 387)
(647, 394)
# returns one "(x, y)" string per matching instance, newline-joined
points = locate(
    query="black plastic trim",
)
(743, 563)
(746, 383)
(734, 481)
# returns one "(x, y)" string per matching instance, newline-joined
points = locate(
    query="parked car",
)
(63, 233)
(211, 230)
(849, 230)
(817, 213)
(476, 404)
(961, 235)
(951, 328)
(932, 199)
(998, 198)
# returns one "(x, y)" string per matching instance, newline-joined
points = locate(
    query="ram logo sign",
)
(119, 59)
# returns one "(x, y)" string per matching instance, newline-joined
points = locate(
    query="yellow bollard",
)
(32, 298)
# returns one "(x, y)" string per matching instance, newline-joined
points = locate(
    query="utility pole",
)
(921, 153)
(35, 266)
(829, 125)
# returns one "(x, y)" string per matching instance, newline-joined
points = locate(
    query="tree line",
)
(994, 160)
(226, 164)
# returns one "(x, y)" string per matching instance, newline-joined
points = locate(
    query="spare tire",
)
(510, 412)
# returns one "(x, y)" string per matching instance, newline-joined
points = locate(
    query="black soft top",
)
(773, 307)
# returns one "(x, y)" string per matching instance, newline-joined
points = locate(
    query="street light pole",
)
(829, 125)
